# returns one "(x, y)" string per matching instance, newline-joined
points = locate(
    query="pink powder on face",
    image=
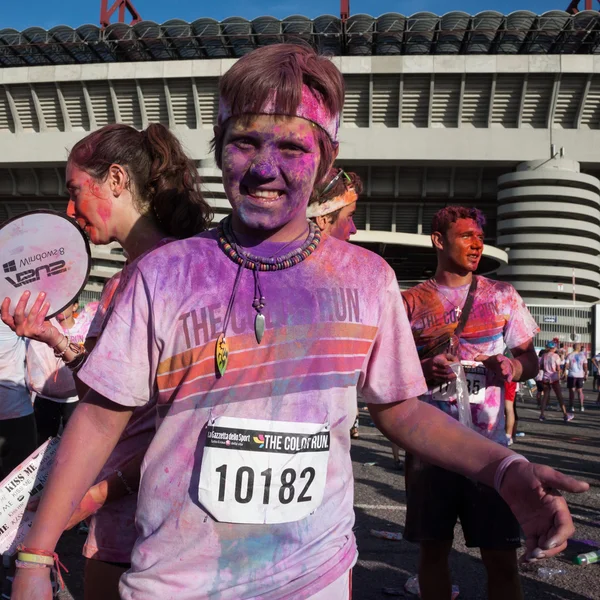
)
(275, 155)
(344, 227)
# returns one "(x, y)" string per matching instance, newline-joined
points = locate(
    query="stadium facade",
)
(496, 111)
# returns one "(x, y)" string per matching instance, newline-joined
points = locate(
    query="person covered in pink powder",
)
(459, 316)
(253, 340)
(49, 378)
(141, 190)
(551, 365)
(332, 209)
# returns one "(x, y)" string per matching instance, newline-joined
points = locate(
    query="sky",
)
(47, 13)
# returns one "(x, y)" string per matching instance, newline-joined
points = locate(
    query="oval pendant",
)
(259, 327)
(221, 354)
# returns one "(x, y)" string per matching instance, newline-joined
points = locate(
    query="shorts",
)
(510, 391)
(575, 382)
(539, 385)
(436, 498)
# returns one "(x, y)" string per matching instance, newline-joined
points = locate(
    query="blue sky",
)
(46, 13)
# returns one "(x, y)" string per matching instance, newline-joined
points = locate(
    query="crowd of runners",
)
(218, 381)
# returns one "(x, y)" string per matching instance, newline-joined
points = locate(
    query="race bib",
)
(256, 471)
(446, 392)
(476, 375)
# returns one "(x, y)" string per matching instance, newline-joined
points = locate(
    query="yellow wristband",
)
(35, 558)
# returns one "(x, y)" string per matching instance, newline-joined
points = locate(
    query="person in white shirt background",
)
(577, 369)
(17, 423)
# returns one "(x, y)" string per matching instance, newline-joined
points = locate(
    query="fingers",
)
(6, 316)
(563, 528)
(19, 314)
(41, 316)
(551, 478)
(481, 357)
(35, 309)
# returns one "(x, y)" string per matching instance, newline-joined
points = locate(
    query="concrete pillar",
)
(549, 219)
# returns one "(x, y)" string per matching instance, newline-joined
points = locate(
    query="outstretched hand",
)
(34, 324)
(533, 494)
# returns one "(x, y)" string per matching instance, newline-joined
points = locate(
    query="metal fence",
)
(566, 322)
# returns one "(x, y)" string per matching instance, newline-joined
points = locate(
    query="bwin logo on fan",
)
(32, 275)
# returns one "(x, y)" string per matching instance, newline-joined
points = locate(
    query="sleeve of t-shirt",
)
(392, 370)
(121, 366)
(521, 326)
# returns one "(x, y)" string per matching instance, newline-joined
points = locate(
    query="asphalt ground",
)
(380, 498)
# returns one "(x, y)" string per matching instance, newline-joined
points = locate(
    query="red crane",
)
(344, 10)
(122, 5)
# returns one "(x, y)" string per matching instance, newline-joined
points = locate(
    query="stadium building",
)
(496, 111)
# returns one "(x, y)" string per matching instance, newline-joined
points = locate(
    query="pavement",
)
(380, 498)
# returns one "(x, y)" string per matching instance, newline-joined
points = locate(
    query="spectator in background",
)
(539, 379)
(551, 365)
(577, 368)
(48, 377)
(17, 423)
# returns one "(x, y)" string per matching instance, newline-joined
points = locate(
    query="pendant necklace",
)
(457, 308)
(246, 260)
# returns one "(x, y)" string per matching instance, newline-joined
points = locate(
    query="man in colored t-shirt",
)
(496, 320)
(577, 368)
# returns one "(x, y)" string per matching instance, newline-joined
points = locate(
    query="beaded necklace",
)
(246, 260)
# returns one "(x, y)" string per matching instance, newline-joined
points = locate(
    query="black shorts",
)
(540, 386)
(575, 382)
(436, 498)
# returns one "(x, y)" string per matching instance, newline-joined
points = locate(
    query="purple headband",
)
(311, 108)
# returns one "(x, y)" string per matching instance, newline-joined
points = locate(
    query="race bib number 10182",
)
(256, 471)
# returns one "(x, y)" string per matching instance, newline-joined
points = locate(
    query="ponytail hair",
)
(165, 181)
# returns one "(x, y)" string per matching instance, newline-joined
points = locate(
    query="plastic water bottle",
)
(547, 573)
(588, 558)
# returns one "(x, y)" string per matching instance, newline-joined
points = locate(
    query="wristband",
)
(32, 558)
(76, 363)
(22, 564)
(28, 557)
(503, 467)
(55, 348)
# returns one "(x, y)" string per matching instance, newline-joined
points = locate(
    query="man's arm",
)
(529, 490)
(525, 361)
